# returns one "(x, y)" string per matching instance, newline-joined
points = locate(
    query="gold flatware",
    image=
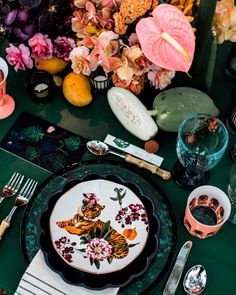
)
(22, 199)
(12, 187)
(100, 148)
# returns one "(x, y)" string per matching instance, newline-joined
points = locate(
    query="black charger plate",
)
(168, 234)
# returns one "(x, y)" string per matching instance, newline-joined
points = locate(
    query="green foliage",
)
(119, 196)
(72, 143)
(32, 133)
(32, 153)
(56, 161)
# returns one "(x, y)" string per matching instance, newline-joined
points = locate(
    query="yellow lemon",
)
(53, 65)
(76, 89)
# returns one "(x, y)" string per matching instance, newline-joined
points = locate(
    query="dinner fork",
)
(12, 187)
(22, 199)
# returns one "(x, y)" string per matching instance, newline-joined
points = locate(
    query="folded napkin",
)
(39, 279)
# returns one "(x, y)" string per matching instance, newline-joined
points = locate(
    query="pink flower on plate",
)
(41, 46)
(98, 249)
(91, 199)
(159, 77)
(19, 57)
(63, 47)
(81, 61)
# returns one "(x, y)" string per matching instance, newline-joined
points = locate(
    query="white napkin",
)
(39, 279)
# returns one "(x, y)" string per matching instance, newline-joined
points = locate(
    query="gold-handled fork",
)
(12, 187)
(22, 199)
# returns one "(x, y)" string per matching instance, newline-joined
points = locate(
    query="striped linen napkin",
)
(39, 279)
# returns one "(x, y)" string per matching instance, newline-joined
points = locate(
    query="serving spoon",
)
(195, 280)
(100, 148)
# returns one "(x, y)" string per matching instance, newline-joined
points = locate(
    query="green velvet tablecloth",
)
(217, 254)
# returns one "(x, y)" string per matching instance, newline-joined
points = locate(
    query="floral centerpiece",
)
(224, 22)
(91, 34)
(35, 29)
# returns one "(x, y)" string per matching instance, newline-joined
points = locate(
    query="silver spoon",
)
(195, 280)
(100, 148)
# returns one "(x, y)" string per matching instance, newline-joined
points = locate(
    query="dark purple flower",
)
(128, 220)
(136, 207)
(135, 216)
(68, 257)
(69, 250)
(63, 240)
(22, 16)
(144, 218)
(118, 217)
(20, 34)
(123, 211)
(58, 244)
(10, 18)
(63, 46)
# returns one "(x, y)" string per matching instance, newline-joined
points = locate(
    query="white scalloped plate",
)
(133, 217)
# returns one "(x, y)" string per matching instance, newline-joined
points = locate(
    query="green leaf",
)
(113, 199)
(98, 232)
(110, 259)
(91, 233)
(72, 143)
(91, 261)
(132, 245)
(84, 237)
(107, 235)
(32, 133)
(83, 242)
(97, 263)
(81, 250)
(105, 228)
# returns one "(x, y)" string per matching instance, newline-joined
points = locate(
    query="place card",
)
(133, 150)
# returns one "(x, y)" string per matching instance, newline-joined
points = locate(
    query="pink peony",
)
(41, 46)
(19, 57)
(81, 61)
(98, 249)
(63, 47)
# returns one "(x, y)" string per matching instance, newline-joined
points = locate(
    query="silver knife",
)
(177, 270)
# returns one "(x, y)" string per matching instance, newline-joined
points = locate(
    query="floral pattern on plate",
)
(92, 226)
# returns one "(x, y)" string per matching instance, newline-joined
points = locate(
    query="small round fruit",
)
(151, 146)
(77, 89)
(130, 233)
(53, 65)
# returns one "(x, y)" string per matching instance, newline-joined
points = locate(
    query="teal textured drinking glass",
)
(201, 143)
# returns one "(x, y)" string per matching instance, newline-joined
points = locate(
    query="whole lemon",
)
(76, 89)
(53, 65)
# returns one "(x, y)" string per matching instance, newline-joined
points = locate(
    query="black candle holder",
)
(100, 81)
(40, 86)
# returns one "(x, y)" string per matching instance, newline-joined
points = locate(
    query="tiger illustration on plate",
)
(83, 224)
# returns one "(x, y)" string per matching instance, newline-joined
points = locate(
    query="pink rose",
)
(41, 46)
(19, 57)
